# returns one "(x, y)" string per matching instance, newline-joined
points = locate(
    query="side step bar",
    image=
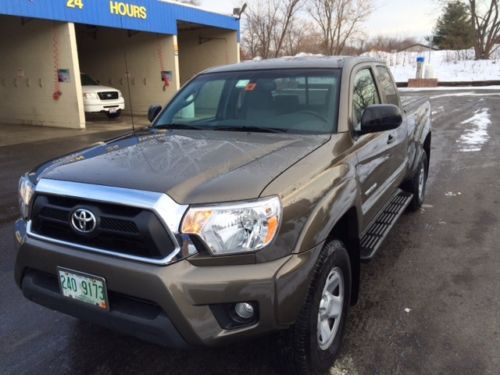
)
(378, 231)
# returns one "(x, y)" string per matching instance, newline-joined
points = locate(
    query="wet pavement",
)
(14, 134)
(429, 301)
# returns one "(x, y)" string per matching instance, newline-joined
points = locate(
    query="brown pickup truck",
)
(245, 209)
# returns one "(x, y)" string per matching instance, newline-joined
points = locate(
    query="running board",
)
(378, 231)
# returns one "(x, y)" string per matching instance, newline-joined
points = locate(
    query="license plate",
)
(113, 110)
(83, 287)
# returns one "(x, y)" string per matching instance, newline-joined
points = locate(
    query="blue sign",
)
(142, 15)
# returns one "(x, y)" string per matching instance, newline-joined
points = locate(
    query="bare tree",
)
(338, 20)
(486, 19)
(268, 25)
(287, 19)
(301, 37)
(260, 21)
(387, 43)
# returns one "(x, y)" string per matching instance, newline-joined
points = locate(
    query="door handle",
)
(390, 139)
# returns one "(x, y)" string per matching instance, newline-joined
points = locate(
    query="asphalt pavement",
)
(429, 304)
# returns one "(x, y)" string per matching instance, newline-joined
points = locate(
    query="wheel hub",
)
(421, 183)
(330, 308)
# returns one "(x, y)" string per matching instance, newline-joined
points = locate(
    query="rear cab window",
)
(387, 86)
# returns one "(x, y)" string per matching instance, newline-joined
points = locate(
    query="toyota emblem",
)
(83, 221)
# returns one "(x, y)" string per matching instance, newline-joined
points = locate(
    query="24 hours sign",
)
(139, 15)
(115, 7)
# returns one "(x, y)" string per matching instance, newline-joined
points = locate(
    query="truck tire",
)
(312, 344)
(418, 184)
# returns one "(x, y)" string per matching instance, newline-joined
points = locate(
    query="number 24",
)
(75, 4)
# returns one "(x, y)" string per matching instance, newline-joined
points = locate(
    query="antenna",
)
(129, 92)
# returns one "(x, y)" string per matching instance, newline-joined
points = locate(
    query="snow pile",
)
(449, 66)
(476, 134)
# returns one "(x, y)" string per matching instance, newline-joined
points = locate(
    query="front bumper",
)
(128, 316)
(92, 106)
(170, 304)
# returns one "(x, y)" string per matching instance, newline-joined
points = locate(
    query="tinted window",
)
(301, 101)
(364, 93)
(387, 86)
(87, 80)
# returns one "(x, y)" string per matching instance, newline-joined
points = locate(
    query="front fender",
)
(329, 210)
(315, 193)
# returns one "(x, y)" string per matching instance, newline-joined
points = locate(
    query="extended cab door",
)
(399, 145)
(375, 168)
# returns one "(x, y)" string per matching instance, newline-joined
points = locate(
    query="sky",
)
(403, 18)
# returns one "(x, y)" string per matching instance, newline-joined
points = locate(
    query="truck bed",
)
(410, 102)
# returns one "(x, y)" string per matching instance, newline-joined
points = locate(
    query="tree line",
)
(274, 28)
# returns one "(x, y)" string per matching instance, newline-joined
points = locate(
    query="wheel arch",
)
(422, 146)
(337, 216)
(427, 147)
(297, 274)
(346, 229)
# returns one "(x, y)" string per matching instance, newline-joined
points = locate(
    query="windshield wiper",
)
(250, 129)
(222, 127)
(181, 126)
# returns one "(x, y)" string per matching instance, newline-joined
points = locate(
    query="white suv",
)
(97, 98)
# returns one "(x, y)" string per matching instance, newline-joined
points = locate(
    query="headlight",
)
(236, 227)
(26, 191)
(90, 95)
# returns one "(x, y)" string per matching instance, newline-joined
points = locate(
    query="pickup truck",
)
(245, 208)
(101, 99)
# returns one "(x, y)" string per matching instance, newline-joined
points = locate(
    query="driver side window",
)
(364, 93)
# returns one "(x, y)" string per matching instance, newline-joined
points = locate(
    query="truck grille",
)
(108, 95)
(120, 229)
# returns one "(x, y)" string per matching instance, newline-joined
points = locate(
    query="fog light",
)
(244, 310)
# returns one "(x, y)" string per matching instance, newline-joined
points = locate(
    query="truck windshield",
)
(291, 101)
(87, 80)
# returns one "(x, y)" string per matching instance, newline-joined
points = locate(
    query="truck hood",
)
(191, 166)
(97, 88)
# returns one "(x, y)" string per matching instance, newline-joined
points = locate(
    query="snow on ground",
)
(448, 66)
(476, 134)
(451, 88)
(481, 94)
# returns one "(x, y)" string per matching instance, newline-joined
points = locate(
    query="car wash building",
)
(145, 48)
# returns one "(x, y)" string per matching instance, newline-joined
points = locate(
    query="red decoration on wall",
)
(56, 95)
(164, 78)
(55, 51)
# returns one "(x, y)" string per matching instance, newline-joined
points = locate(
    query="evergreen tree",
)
(454, 29)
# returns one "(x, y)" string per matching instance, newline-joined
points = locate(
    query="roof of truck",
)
(295, 62)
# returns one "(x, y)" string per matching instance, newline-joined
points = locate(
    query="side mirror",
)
(153, 112)
(380, 117)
